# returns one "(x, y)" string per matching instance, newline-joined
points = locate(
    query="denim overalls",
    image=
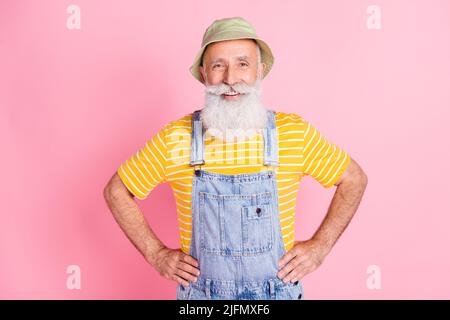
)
(236, 233)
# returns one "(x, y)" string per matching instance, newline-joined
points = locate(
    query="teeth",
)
(230, 94)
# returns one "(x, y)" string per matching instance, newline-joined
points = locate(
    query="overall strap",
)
(270, 141)
(197, 135)
(269, 134)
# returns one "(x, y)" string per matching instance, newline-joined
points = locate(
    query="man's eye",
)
(216, 65)
(243, 64)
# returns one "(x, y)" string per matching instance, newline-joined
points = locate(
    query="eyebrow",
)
(240, 58)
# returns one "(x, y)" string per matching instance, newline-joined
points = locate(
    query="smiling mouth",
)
(231, 94)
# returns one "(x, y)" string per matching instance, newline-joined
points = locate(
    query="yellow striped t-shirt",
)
(302, 151)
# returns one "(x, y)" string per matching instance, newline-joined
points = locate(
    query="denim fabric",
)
(236, 233)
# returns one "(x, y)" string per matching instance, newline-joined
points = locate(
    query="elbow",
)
(115, 190)
(107, 192)
(358, 179)
(362, 180)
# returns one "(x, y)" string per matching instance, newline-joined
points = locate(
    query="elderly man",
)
(235, 168)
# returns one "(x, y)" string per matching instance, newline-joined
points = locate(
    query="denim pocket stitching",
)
(257, 224)
(262, 198)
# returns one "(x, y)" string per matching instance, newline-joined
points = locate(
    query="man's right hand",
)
(174, 264)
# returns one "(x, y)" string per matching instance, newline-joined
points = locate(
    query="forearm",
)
(342, 208)
(133, 223)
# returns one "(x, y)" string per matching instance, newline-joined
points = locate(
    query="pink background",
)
(76, 103)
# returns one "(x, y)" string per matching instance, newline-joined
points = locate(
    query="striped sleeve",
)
(146, 168)
(322, 159)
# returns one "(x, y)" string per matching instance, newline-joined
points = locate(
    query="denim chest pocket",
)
(257, 228)
(236, 224)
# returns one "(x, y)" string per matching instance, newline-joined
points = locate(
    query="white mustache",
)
(223, 88)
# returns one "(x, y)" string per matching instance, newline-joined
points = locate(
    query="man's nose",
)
(229, 77)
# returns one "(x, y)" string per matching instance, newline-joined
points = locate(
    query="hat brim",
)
(266, 55)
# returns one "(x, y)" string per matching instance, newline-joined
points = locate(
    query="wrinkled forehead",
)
(231, 49)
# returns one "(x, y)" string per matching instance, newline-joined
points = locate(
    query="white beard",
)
(242, 118)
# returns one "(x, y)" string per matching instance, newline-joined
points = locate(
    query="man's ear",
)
(262, 68)
(201, 69)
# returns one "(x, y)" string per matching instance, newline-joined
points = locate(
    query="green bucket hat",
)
(231, 29)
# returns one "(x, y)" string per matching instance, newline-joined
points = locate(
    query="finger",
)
(288, 267)
(188, 268)
(303, 272)
(303, 269)
(189, 259)
(291, 275)
(298, 277)
(295, 273)
(185, 275)
(180, 280)
(286, 258)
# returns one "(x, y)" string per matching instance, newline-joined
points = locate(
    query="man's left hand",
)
(303, 258)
